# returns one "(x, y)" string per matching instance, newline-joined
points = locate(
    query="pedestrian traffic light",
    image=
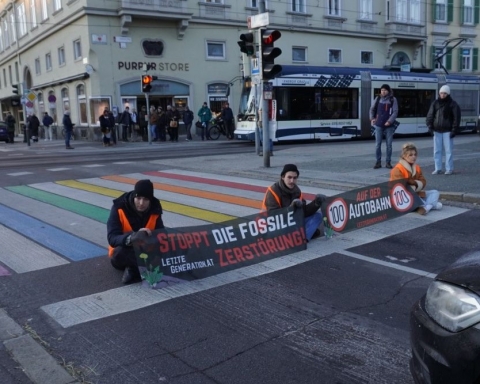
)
(147, 83)
(15, 89)
(269, 69)
(246, 44)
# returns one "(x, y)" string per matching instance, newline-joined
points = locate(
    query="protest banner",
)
(173, 255)
(370, 205)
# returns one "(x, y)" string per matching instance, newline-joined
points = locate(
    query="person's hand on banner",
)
(297, 203)
(319, 199)
(140, 234)
(411, 182)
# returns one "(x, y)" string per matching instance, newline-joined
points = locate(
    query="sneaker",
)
(421, 211)
(436, 172)
(449, 173)
(69, 147)
(438, 206)
(388, 165)
(377, 165)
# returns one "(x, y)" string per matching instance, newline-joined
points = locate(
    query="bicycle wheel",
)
(214, 132)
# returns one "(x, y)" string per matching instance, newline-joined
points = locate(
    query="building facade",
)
(85, 55)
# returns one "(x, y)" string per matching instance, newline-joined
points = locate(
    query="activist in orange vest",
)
(286, 193)
(133, 215)
(407, 169)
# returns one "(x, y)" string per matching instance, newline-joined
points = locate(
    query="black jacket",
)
(115, 235)
(444, 115)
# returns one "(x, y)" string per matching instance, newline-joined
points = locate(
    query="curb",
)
(37, 364)
(471, 198)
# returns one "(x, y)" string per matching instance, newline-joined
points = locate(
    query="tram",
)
(326, 103)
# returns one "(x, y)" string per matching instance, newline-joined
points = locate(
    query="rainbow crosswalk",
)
(48, 225)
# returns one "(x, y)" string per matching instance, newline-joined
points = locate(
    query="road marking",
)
(93, 165)
(50, 237)
(58, 169)
(20, 173)
(390, 265)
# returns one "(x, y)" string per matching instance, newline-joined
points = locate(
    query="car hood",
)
(464, 272)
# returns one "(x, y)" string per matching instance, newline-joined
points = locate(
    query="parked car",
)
(445, 326)
(3, 132)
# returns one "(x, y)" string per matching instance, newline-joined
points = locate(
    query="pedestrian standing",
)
(47, 123)
(34, 126)
(135, 126)
(67, 124)
(443, 120)
(153, 123)
(383, 114)
(10, 121)
(106, 128)
(228, 120)
(187, 121)
(174, 122)
(143, 123)
(162, 125)
(205, 116)
(125, 120)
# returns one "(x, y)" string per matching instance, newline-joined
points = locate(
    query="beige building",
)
(84, 55)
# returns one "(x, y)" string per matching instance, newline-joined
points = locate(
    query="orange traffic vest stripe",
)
(277, 198)
(126, 227)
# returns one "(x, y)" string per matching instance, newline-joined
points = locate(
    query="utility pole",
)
(264, 106)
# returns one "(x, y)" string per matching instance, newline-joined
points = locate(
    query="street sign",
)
(255, 67)
(122, 39)
(258, 21)
(23, 100)
(31, 96)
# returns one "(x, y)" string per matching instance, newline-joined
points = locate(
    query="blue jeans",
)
(68, 136)
(153, 131)
(431, 197)
(443, 141)
(312, 223)
(378, 142)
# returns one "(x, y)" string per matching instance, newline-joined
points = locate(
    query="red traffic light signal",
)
(246, 44)
(147, 83)
(269, 53)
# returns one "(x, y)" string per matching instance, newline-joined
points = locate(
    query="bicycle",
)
(218, 128)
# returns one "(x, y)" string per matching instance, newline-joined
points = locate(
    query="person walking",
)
(205, 116)
(34, 126)
(10, 121)
(443, 120)
(409, 170)
(143, 123)
(228, 120)
(106, 127)
(187, 121)
(47, 123)
(133, 215)
(383, 114)
(174, 123)
(286, 193)
(161, 125)
(67, 124)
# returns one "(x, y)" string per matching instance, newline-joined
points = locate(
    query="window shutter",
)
(450, 11)
(476, 15)
(434, 11)
(462, 14)
(475, 59)
(460, 60)
(449, 61)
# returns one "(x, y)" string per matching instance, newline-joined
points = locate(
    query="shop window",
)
(82, 104)
(97, 106)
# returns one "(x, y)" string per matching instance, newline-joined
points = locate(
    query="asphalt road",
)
(336, 313)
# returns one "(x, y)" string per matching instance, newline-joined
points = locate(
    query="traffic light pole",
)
(265, 123)
(148, 119)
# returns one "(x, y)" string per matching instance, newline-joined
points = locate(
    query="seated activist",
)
(286, 193)
(407, 169)
(134, 215)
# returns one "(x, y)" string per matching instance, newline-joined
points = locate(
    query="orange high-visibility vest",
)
(404, 171)
(126, 227)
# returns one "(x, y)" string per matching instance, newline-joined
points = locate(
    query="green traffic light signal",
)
(246, 44)
(269, 53)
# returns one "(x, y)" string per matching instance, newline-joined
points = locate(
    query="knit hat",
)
(445, 89)
(144, 188)
(387, 87)
(290, 168)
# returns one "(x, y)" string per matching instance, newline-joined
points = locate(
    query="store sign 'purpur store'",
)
(143, 66)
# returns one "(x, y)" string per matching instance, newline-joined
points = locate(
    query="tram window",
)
(412, 102)
(316, 103)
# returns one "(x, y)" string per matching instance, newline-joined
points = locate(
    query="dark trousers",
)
(160, 132)
(188, 128)
(229, 128)
(205, 130)
(123, 257)
(173, 134)
(11, 137)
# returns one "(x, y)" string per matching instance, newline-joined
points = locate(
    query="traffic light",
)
(269, 69)
(246, 44)
(15, 89)
(147, 83)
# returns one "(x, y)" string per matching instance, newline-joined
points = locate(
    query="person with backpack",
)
(10, 121)
(443, 119)
(383, 114)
